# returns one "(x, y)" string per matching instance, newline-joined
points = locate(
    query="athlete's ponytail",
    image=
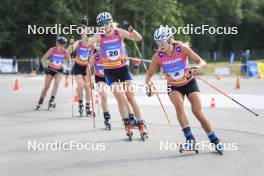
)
(114, 24)
(173, 42)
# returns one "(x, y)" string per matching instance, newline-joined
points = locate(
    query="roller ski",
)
(189, 145)
(132, 120)
(129, 129)
(81, 109)
(219, 146)
(38, 107)
(89, 113)
(106, 121)
(142, 130)
(52, 104)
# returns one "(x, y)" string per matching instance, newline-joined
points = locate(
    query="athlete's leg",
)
(102, 88)
(195, 101)
(57, 80)
(119, 94)
(177, 100)
(48, 79)
(194, 98)
(80, 86)
(87, 89)
(130, 95)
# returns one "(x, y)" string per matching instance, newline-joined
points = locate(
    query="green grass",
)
(234, 69)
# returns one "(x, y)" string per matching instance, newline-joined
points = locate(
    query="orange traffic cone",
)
(218, 77)
(17, 85)
(238, 83)
(75, 99)
(66, 83)
(212, 105)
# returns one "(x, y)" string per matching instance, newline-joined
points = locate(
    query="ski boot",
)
(81, 109)
(106, 121)
(89, 113)
(189, 145)
(38, 106)
(129, 129)
(219, 146)
(132, 120)
(40, 102)
(52, 104)
(142, 130)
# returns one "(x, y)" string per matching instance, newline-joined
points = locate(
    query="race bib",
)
(176, 75)
(113, 54)
(84, 54)
(57, 60)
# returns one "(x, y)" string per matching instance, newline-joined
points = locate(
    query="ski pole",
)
(99, 102)
(225, 94)
(71, 43)
(91, 93)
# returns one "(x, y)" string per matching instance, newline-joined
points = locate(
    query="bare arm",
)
(152, 69)
(88, 41)
(193, 56)
(134, 35)
(45, 57)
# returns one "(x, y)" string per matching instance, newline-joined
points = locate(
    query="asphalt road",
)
(110, 152)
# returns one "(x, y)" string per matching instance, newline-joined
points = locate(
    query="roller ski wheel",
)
(144, 136)
(38, 107)
(90, 113)
(81, 113)
(107, 125)
(52, 104)
(220, 152)
(189, 146)
(142, 130)
(182, 149)
(81, 110)
(219, 146)
(130, 136)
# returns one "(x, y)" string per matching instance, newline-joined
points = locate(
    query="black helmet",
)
(62, 40)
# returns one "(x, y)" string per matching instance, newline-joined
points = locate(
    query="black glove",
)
(149, 92)
(85, 20)
(73, 54)
(127, 25)
(67, 72)
(45, 70)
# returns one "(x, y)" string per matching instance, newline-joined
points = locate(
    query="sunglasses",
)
(161, 42)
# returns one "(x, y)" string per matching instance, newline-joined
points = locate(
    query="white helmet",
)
(162, 33)
(103, 17)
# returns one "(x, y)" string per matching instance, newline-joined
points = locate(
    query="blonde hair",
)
(115, 24)
(173, 41)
